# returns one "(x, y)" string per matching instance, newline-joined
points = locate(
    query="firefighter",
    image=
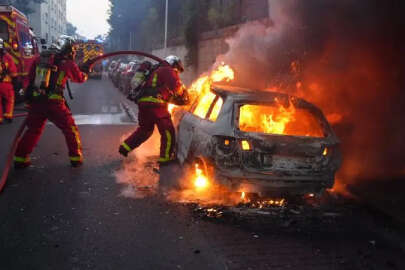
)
(48, 78)
(162, 86)
(8, 77)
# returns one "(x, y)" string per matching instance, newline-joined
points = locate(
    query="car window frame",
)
(210, 109)
(239, 104)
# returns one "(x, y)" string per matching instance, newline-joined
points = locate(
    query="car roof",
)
(239, 93)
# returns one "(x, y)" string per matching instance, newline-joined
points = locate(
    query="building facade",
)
(49, 19)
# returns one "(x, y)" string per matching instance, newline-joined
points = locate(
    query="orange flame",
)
(201, 181)
(203, 84)
(279, 119)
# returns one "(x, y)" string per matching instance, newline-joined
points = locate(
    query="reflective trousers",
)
(149, 115)
(6, 98)
(59, 114)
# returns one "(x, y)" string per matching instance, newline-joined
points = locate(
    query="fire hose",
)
(93, 61)
(20, 131)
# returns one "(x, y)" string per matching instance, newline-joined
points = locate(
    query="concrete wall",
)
(212, 44)
(208, 52)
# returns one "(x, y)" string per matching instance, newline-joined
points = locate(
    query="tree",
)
(22, 5)
(140, 24)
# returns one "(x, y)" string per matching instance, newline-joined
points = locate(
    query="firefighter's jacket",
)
(8, 69)
(65, 70)
(164, 86)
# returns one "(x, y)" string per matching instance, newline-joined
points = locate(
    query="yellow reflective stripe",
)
(36, 94)
(154, 80)
(151, 99)
(78, 158)
(43, 75)
(168, 145)
(8, 21)
(126, 146)
(8, 115)
(21, 159)
(77, 137)
(60, 78)
(7, 79)
(55, 96)
(140, 76)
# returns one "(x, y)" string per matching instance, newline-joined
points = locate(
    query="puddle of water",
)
(103, 119)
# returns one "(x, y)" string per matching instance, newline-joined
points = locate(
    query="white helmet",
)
(1, 43)
(64, 42)
(175, 62)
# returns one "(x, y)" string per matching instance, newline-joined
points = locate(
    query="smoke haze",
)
(344, 56)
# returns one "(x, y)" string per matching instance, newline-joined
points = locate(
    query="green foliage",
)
(140, 23)
(22, 5)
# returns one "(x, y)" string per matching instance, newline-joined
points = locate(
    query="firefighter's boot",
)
(22, 165)
(76, 164)
(123, 151)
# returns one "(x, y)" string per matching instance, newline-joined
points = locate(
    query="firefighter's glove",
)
(183, 99)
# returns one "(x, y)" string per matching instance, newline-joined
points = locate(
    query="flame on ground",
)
(201, 181)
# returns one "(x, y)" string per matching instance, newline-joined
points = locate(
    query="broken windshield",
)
(279, 119)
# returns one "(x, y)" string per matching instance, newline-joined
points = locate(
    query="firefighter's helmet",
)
(175, 62)
(1, 43)
(64, 45)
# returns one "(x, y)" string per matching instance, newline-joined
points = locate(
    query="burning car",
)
(258, 141)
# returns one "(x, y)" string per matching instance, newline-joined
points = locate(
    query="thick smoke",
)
(344, 56)
(137, 175)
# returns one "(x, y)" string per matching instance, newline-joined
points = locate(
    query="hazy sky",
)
(89, 16)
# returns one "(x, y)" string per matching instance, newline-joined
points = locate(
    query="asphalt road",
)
(56, 217)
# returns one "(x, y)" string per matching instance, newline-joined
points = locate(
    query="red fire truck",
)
(19, 39)
(87, 50)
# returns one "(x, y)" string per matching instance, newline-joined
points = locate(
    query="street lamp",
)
(166, 19)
